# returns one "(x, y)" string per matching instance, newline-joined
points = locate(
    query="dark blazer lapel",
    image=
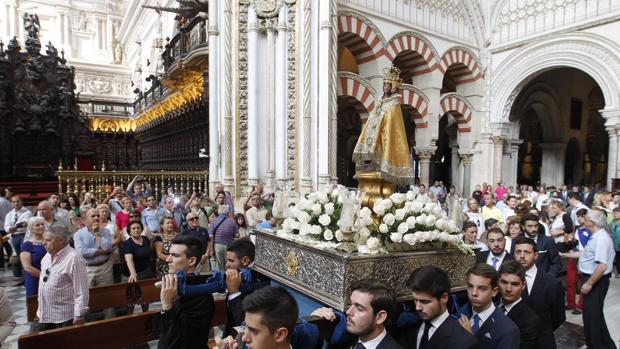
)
(444, 330)
(538, 284)
(488, 325)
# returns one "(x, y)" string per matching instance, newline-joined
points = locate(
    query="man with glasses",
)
(152, 214)
(194, 229)
(95, 245)
(63, 289)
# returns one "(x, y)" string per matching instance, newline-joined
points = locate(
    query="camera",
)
(20, 225)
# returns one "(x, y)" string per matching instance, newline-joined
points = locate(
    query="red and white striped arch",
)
(417, 101)
(415, 52)
(462, 65)
(458, 106)
(360, 37)
(353, 86)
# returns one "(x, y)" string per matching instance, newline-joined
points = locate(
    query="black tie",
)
(526, 292)
(424, 340)
(360, 346)
(503, 309)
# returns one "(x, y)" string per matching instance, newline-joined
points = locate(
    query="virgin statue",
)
(382, 145)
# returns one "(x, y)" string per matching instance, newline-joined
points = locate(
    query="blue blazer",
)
(498, 331)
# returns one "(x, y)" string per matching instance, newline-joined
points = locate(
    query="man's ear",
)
(245, 261)
(193, 262)
(381, 317)
(281, 335)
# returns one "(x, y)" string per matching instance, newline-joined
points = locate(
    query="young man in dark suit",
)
(496, 254)
(543, 293)
(548, 259)
(373, 307)
(511, 286)
(480, 317)
(430, 286)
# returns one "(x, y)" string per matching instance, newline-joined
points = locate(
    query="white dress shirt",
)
(500, 259)
(373, 343)
(530, 276)
(484, 315)
(14, 217)
(509, 306)
(435, 323)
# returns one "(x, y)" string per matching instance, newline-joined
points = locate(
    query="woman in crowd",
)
(561, 228)
(513, 229)
(89, 200)
(32, 253)
(473, 214)
(105, 222)
(244, 230)
(542, 198)
(74, 203)
(122, 217)
(162, 244)
(603, 202)
(135, 216)
(137, 253)
(470, 233)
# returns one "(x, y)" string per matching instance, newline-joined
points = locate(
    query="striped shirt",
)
(64, 295)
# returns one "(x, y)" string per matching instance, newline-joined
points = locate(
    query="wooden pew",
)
(113, 333)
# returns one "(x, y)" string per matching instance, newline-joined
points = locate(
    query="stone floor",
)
(568, 336)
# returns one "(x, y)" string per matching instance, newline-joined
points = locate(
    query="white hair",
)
(59, 233)
(34, 220)
(598, 218)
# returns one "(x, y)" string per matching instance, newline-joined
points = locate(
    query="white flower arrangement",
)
(409, 219)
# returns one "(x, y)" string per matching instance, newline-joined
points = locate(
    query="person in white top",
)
(562, 226)
(257, 212)
(541, 198)
(15, 223)
(574, 200)
(473, 214)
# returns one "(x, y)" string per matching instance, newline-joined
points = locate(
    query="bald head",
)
(44, 209)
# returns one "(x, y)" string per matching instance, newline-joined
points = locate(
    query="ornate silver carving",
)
(267, 8)
(291, 76)
(327, 275)
(242, 133)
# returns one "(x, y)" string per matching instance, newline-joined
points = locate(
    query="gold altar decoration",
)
(382, 153)
(115, 124)
(101, 183)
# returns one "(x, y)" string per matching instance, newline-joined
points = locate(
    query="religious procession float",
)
(330, 238)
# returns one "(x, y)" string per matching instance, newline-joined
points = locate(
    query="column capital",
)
(425, 153)
(467, 159)
(498, 139)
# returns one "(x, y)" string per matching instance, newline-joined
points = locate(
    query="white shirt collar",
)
(500, 258)
(485, 314)
(436, 322)
(374, 343)
(511, 305)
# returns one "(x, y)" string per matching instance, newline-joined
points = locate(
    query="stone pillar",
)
(281, 139)
(466, 160)
(227, 136)
(424, 156)
(253, 123)
(214, 96)
(306, 110)
(498, 145)
(612, 124)
(270, 25)
(552, 168)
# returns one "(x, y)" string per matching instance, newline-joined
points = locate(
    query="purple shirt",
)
(226, 232)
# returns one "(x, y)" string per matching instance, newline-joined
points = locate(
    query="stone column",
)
(552, 168)
(281, 139)
(269, 25)
(306, 111)
(227, 136)
(498, 145)
(214, 96)
(424, 156)
(612, 124)
(253, 123)
(466, 160)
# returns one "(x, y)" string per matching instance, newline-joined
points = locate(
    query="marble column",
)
(253, 123)
(306, 110)
(424, 157)
(552, 168)
(227, 117)
(612, 125)
(214, 96)
(466, 160)
(269, 25)
(281, 139)
(498, 146)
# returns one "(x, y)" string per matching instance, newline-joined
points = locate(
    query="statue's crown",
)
(392, 74)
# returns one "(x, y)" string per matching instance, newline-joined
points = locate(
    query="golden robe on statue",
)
(382, 145)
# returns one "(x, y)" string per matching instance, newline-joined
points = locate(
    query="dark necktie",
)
(424, 339)
(503, 309)
(360, 346)
(476, 325)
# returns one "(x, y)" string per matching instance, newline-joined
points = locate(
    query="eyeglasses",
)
(47, 275)
(133, 216)
(95, 216)
(192, 219)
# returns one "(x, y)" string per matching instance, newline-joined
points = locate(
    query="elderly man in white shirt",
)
(15, 223)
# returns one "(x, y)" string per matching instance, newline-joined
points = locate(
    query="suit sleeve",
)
(558, 313)
(235, 309)
(555, 264)
(510, 339)
(530, 333)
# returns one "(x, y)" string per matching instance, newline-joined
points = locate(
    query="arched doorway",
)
(349, 128)
(556, 116)
(447, 146)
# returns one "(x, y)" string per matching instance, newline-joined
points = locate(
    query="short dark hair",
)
(469, 224)
(495, 231)
(383, 296)
(242, 248)
(574, 195)
(529, 217)
(133, 222)
(584, 211)
(519, 240)
(489, 223)
(429, 279)
(486, 271)
(276, 307)
(193, 244)
(512, 267)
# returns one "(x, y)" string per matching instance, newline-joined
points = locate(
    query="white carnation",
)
(328, 235)
(400, 214)
(410, 239)
(437, 211)
(373, 243)
(296, 225)
(398, 198)
(335, 192)
(364, 233)
(430, 220)
(363, 249)
(416, 207)
(389, 219)
(378, 208)
(387, 203)
(316, 209)
(303, 217)
(305, 229)
(383, 228)
(411, 220)
(324, 219)
(322, 197)
(441, 224)
(428, 208)
(367, 221)
(316, 230)
(329, 208)
(396, 237)
(287, 225)
(365, 212)
(410, 195)
(452, 227)
(403, 227)
(443, 236)
(338, 235)
(312, 198)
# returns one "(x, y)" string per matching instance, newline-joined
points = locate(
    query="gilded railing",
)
(101, 183)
